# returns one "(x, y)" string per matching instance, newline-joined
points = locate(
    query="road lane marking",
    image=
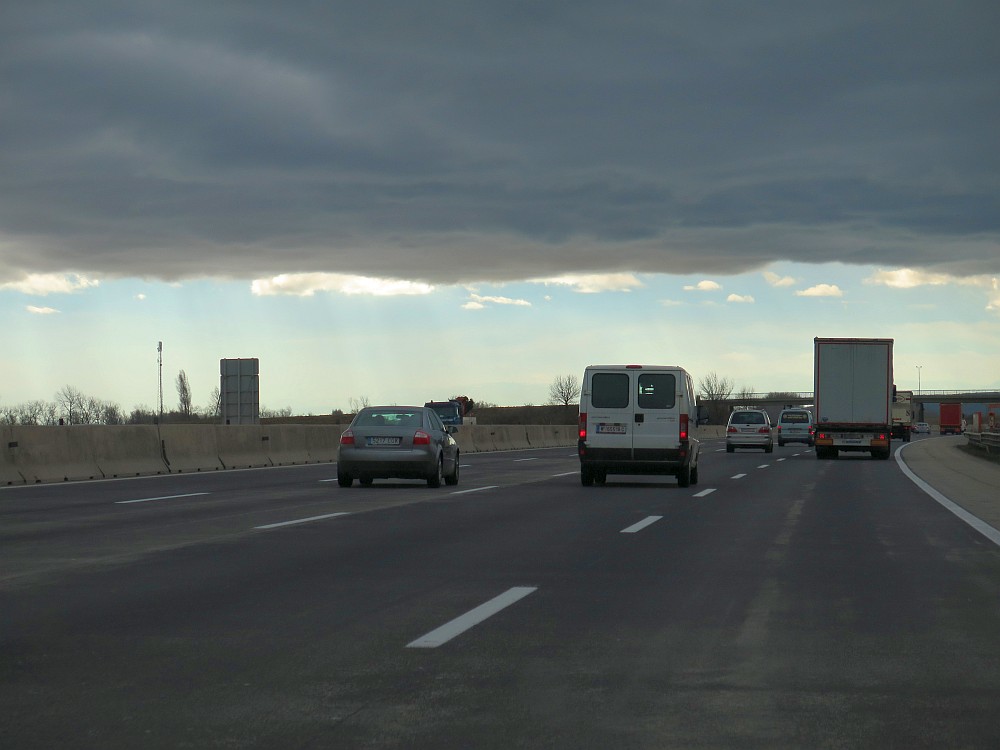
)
(974, 521)
(641, 525)
(300, 520)
(763, 466)
(164, 497)
(781, 459)
(737, 476)
(475, 489)
(703, 493)
(524, 459)
(473, 617)
(566, 474)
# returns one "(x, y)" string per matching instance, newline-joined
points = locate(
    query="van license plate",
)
(613, 429)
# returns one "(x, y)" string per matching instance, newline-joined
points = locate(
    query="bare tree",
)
(214, 408)
(357, 404)
(715, 388)
(70, 402)
(183, 394)
(564, 390)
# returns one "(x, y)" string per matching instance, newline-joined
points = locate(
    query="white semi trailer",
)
(853, 396)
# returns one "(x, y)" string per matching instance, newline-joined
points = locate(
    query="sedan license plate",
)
(611, 429)
(379, 441)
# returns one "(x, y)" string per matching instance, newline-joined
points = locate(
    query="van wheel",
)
(684, 477)
(694, 475)
(586, 476)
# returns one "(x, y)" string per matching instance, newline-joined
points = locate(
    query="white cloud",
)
(703, 286)
(778, 281)
(478, 302)
(821, 290)
(908, 278)
(41, 310)
(307, 284)
(740, 298)
(595, 283)
(43, 284)
(670, 302)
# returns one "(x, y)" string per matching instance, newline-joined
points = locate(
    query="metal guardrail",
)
(988, 441)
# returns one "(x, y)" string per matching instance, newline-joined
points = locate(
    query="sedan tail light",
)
(421, 438)
(764, 430)
(347, 438)
(731, 429)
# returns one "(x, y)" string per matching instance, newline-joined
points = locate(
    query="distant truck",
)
(852, 382)
(451, 412)
(902, 415)
(951, 419)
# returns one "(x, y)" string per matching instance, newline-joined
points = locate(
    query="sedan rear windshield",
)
(747, 417)
(390, 418)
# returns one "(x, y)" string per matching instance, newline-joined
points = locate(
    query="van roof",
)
(634, 367)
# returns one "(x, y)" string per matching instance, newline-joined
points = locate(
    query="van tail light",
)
(684, 427)
(583, 425)
(421, 438)
(347, 438)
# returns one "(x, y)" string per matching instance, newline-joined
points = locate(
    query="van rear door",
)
(611, 414)
(657, 422)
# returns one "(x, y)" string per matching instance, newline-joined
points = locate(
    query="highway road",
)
(783, 602)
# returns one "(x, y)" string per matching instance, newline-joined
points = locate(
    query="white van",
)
(637, 419)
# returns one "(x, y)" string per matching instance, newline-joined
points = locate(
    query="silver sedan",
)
(407, 442)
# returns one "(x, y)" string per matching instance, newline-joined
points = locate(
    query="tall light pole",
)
(159, 359)
(918, 378)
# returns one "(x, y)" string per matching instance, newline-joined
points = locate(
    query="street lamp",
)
(918, 378)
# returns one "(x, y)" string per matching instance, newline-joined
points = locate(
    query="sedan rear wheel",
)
(344, 480)
(452, 479)
(434, 480)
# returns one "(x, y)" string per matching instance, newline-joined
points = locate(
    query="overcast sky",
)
(484, 186)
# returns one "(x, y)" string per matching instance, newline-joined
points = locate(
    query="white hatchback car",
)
(749, 428)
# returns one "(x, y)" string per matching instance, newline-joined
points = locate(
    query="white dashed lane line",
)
(641, 525)
(300, 520)
(475, 489)
(737, 476)
(473, 617)
(704, 493)
(165, 497)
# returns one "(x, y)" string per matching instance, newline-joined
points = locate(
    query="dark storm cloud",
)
(460, 141)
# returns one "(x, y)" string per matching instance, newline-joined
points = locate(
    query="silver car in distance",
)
(405, 442)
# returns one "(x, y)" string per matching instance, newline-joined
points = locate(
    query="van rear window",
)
(657, 390)
(800, 417)
(609, 390)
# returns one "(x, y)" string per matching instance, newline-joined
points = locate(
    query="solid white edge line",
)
(165, 497)
(974, 521)
(475, 489)
(566, 474)
(641, 525)
(300, 520)
(473, 617)
(704, 492)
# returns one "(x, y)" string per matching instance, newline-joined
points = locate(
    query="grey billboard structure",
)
(239, 391)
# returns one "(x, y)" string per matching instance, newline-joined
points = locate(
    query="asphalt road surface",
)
(783, 602)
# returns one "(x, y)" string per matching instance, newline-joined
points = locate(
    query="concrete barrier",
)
(128, 451)
(31, 454)
(242, 446)
(287, 445)
(190, 448)
(8, 471)
(55, 454)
